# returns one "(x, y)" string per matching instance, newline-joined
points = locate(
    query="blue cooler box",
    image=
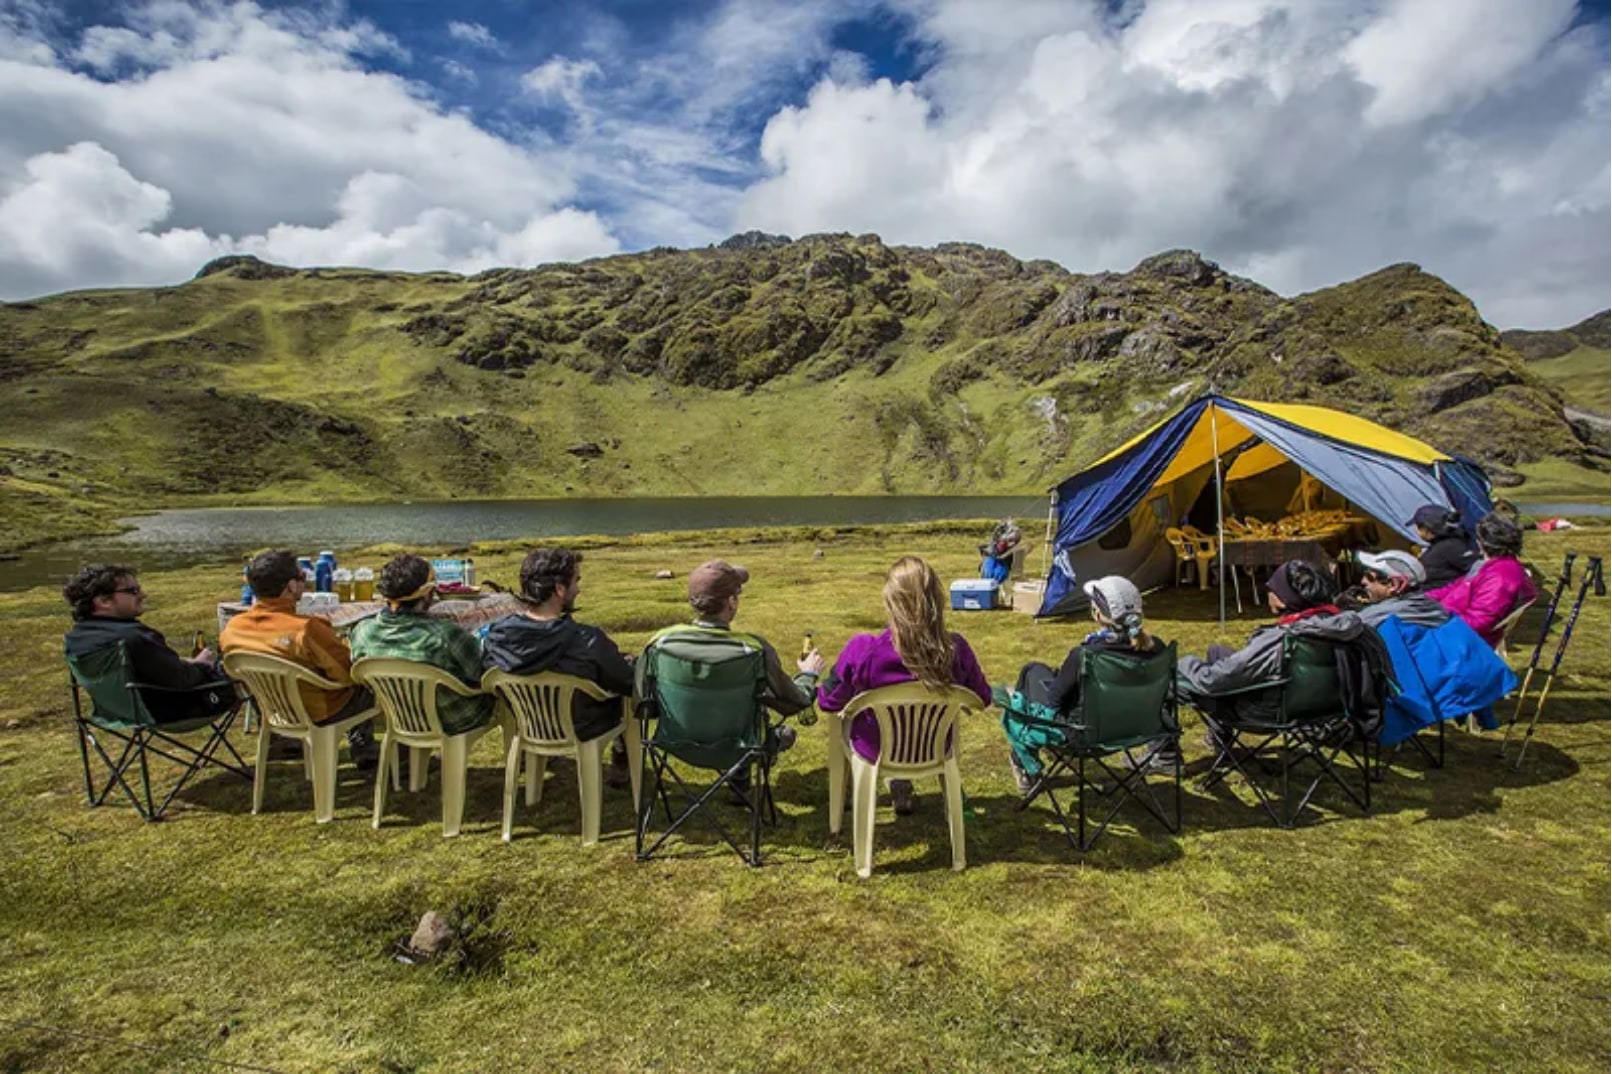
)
(974, 595)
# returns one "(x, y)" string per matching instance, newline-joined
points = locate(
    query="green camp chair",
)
(1311, 725)
(703, 694)
(118, 713)
(1127, 708)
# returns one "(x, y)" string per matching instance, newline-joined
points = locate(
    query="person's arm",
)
(154, 664)
(1257, 662)
(462, 653)
(326, 652)
(842, 683)
(786, 696)
(1065, 690)
(1494, 594)
(970, 675)
(615, 672)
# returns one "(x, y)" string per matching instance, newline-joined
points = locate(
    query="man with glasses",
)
(107, 602)
(1392, 585)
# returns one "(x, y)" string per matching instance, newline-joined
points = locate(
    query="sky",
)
(1298, 142)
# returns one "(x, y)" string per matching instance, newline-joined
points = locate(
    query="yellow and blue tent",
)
(1110, 517)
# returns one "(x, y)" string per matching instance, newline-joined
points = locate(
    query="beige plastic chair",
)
(538, 726)
(915, 724)
(272, 682)
(1192, 547)
(407, 693)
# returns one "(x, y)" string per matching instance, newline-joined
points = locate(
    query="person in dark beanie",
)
(1448, 554)
(107, 601)
(1301, 596)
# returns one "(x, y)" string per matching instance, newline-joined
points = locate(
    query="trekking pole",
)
(1592, 576)
(1562, 583)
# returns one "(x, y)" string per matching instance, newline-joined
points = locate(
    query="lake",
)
(182, 538)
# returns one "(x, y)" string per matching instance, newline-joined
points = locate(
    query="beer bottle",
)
(198, 644)
(806, 646)
(807, 716)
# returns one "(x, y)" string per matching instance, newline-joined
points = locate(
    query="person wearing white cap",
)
(1116, 607)
(1393, 583)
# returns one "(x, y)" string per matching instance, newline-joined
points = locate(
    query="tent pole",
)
(1220, 512)
(1046, 545)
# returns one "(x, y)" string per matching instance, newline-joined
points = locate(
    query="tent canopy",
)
(1383, 473)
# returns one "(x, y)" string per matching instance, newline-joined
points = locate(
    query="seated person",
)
(403, 631)
(107, 601)
(1301, 595)
(545, 637)
(1447, 555)
(1496, 585)
(272, 626)
(714, 589)
(1116, 607)
(914, 646)
(1392, 585)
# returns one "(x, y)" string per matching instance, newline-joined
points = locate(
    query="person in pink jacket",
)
(1496, 586)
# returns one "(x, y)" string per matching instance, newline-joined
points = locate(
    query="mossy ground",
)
(1463, 926)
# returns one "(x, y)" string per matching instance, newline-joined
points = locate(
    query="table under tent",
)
(1264, 482)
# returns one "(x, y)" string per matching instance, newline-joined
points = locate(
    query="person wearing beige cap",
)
(714, 591)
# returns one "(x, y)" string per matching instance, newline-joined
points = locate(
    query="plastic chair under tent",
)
(917, 738)
(275, 685)
(539, 726)
(406, 691)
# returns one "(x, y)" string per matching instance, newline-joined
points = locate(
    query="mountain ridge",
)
(828, 363)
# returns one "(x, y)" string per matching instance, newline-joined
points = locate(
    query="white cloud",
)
(456, 70)
(1301, 141)
(473, 33)
(260, 131)
(559, 78)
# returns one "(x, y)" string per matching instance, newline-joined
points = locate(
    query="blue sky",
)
(1301, 142)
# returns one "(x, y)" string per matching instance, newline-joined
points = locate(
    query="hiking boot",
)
(616, 774)
(785, 735)
(901, 797)
(1024, 780)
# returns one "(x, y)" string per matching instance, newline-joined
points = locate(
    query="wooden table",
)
(470, 614)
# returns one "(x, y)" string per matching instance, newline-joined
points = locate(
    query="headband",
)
(430, 583)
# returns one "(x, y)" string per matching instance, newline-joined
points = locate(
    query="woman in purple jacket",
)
(1496, 586)
(915, 646)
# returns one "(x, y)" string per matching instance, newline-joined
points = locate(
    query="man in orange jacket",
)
(271, 625)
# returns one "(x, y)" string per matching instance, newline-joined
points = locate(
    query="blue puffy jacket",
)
(1444, 673)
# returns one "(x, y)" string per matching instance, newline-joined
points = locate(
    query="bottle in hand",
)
(198, 644)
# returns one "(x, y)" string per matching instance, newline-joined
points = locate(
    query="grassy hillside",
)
(828, 364)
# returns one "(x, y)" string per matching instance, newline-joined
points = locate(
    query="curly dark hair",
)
(402, 575)
(1499, 535)
(94, 580)
(545, 569)
(270, 572)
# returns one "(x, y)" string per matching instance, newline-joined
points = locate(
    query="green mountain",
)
(1576, 360)
(833, 363)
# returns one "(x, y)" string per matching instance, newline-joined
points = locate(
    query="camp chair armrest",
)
(1254, 688)
(213, 684)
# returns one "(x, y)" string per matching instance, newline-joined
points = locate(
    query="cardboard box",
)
(975, 595)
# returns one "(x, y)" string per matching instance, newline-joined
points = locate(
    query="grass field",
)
(1462, 926)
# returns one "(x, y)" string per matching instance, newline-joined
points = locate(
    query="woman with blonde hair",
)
(914, 646)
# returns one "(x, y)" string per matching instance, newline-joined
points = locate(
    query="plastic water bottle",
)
(470, 573)
(324, 571)
(305, 565)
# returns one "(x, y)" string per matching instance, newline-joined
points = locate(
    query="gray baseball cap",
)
(1395, 564)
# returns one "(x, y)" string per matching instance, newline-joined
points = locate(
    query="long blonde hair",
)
(915, 606)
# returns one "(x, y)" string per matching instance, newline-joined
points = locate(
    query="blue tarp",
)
(1444, 673)
(1387, 487)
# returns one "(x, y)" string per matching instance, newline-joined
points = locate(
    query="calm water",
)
(184, 538)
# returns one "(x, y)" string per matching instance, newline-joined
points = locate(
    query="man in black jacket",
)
(107, 601)
(544, 637)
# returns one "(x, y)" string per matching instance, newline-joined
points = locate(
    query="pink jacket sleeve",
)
(1497, 589)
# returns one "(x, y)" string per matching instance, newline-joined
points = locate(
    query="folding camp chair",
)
(118, 711)
(1311, 724)
(1127, 708)
(704, 698)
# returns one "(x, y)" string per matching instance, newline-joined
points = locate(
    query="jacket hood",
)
(534, 644)
(1345, 626)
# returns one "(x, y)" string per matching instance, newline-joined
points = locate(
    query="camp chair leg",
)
(84, 755)
(455, 771)
(760, 794)
(260, 770)
(590, 788)
(952, 785)
(695, 804)
(150, 812)
(864, 792)
(387, 770)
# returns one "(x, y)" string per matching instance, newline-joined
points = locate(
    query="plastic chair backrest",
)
(1312, 690)
(104, 675)
(1178, 541)
(1508, 624)
(406, 691)
(273, 683)
(916, 722)
(542, 704)
(1125, 700)
(706, 697)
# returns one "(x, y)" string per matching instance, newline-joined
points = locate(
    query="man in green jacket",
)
(404, 631)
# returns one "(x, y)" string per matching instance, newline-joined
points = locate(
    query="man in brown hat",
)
(714, 590)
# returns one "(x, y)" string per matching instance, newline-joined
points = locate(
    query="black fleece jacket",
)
(521, 645)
